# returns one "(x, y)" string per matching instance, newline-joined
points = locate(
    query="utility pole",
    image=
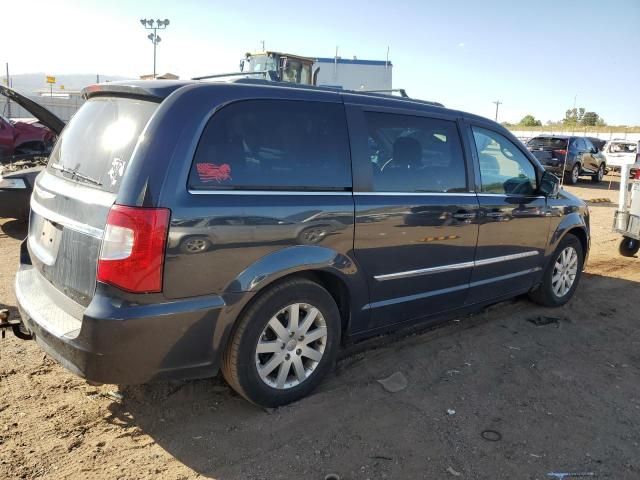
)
(497, 102)
(8, 85)
(154, 37)
(262, 41)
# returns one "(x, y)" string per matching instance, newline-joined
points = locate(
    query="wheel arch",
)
(335, 272)
(573, 224)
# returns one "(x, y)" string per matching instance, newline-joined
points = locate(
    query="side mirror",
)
(593, 150)
(549, 185)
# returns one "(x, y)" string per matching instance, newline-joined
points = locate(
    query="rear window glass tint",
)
(277, 145)
(98, 141)
(548, 142)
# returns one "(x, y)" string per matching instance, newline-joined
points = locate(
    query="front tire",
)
(194, 245)
(562, 276)
(629, 247)
(284, 344)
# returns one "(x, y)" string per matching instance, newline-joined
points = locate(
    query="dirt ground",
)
(563, 397)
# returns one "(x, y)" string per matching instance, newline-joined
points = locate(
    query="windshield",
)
(547, 142)
(96, 146)
(261, 63)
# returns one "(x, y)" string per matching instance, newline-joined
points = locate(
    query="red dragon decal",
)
(208, 172)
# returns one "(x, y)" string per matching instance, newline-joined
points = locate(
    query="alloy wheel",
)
(564, 272)
(196, 245)
(575, 173)
(291, 346)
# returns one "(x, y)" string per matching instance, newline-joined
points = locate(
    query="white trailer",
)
(627, 217)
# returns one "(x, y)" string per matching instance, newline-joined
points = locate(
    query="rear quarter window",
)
(274, 145)
(96, 146)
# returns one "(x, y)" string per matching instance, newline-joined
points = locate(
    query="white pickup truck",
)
(620, 152)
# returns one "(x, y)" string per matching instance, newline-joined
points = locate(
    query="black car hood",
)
(43, 115)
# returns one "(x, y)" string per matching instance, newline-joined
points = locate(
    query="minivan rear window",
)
(96, 146)
(274, 145)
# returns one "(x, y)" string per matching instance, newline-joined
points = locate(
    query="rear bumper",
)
(111, 342)
(555, 168)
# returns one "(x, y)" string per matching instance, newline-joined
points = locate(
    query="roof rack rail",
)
(265, 73)
(401, 91)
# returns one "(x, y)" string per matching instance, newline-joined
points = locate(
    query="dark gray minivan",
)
(183, 227)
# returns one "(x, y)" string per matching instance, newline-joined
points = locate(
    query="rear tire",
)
(562, 276)
(629, 247)
(255, 346)
(573, 175)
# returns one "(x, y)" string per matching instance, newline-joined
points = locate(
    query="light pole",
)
(497, 102)
(154, 37)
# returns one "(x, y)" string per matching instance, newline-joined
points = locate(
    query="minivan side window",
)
(504, 169)
(274, 145)
(415, 154)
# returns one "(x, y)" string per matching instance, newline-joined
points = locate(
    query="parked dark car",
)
(433, 213)
(25, 155)
(580, 157)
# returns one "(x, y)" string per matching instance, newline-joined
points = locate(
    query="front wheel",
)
(195, 245)
(597, 178)
(285, 343)
(562, 276)
(629, 247)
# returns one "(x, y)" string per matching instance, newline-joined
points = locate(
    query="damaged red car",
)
(24, 148)
(24, 137)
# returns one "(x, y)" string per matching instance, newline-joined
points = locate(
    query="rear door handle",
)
(464, 216)
(494, 214)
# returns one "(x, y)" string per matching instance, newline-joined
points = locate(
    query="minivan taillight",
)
(132, 253)
(562, 151)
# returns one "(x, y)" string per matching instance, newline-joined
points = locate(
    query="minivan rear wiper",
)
(75, 174)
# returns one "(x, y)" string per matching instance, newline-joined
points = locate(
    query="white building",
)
(354, 74)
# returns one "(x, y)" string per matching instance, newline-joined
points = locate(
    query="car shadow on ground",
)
(610, 183)
(14, 228)
(549, 381)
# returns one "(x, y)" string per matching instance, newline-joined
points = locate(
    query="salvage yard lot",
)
(564, 397)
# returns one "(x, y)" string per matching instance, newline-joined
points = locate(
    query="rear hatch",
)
(72, 198)
(548, 150)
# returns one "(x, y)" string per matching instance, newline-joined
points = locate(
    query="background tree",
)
(590, 119)
(530, 121)
(573, 116)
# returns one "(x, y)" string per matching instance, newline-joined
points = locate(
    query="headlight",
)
(12, 183)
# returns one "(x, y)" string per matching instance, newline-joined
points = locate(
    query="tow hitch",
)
(15, 325)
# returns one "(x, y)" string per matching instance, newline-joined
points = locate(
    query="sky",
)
(535, 57)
